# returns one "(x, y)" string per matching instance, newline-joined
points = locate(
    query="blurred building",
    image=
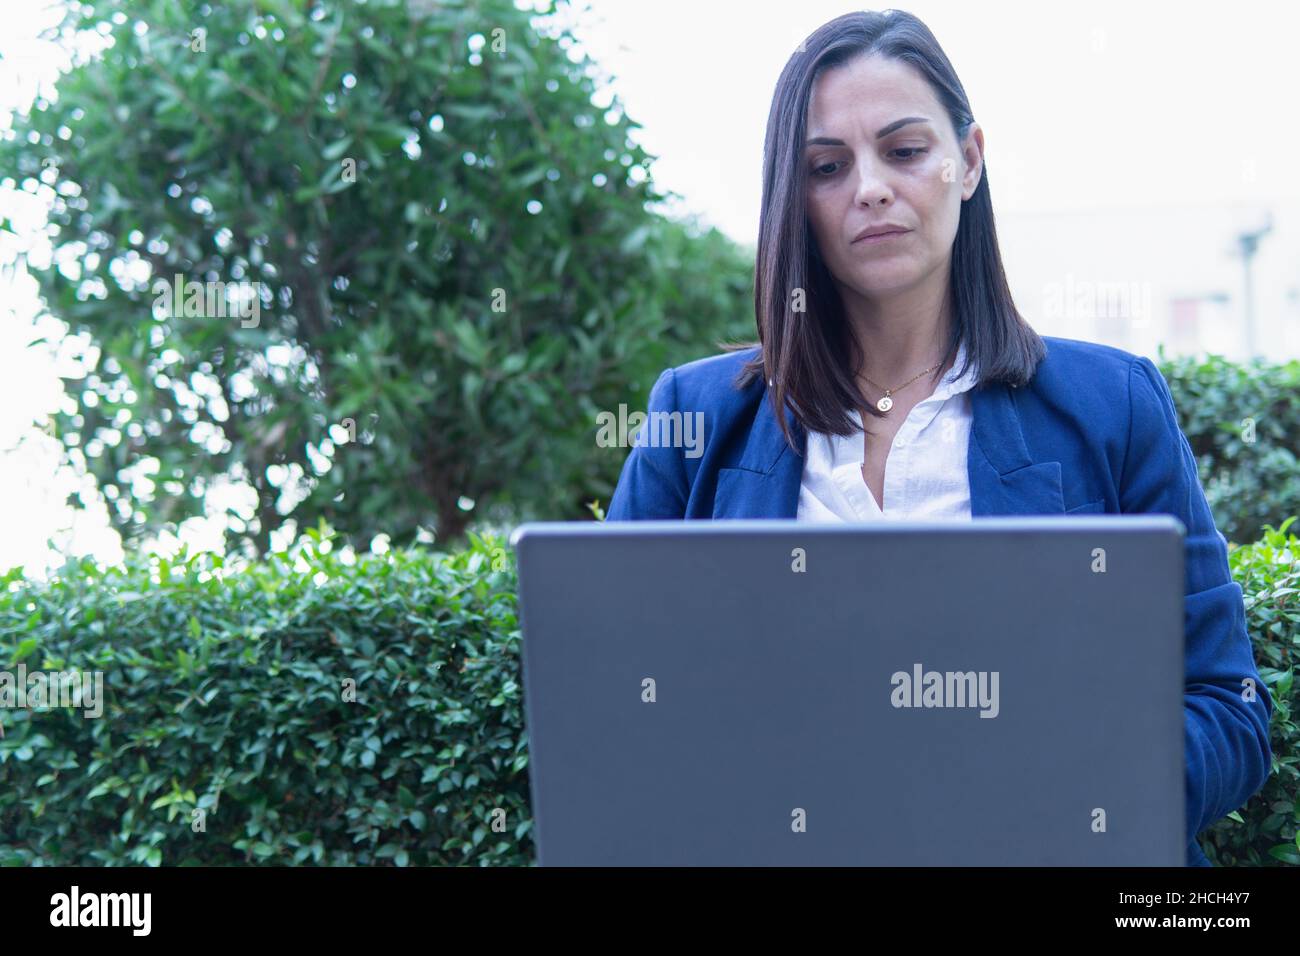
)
(1134, 278)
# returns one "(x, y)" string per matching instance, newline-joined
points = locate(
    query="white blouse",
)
(925, 470)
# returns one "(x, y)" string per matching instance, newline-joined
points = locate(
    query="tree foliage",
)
(456, 257)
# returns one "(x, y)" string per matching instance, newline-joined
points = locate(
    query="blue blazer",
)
(1095, 430)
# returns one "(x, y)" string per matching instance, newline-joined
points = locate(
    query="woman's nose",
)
(871, 186)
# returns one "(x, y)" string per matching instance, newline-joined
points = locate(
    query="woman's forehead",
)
(869, 90)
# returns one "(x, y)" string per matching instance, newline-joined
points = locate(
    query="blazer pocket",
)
(1091, 507)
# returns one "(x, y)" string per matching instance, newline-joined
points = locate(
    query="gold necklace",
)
(886, 403)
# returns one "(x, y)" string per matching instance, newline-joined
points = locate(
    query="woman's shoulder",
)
(1079, 357)
(1074, 371)
(1087, 377)
(1106, 393)
(711, 383)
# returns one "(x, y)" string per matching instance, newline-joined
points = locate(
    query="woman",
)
(910, 385)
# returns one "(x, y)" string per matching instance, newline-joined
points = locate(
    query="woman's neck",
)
(900, 337)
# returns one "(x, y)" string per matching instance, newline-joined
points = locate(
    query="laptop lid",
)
(1006, 691)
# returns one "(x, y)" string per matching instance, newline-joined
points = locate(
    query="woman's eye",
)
(910, 150)
(826, 169)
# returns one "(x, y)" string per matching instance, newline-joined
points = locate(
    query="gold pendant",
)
(885, 403)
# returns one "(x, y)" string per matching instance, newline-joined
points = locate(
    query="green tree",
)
(440, 261)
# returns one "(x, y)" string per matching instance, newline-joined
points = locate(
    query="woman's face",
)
(881, 151)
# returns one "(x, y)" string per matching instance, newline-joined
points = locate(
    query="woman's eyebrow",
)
(896, 124)
(885, 131)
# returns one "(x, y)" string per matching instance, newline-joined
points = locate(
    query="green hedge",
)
(1242, 421)
(1266, 830)
(224, 695)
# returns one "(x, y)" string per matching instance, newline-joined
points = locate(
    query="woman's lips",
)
(880, 237)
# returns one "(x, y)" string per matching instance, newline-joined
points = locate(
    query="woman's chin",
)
(877, 282)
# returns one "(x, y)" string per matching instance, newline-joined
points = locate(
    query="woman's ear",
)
(973, 160)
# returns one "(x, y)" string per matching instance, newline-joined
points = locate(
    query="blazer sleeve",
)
(653, 483)
(1226, 745)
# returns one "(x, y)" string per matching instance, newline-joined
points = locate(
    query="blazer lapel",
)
(765, 482)
(1004, 480)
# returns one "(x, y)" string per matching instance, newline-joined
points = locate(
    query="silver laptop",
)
(999, 692)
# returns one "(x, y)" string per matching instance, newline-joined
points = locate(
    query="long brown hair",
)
(810, 358)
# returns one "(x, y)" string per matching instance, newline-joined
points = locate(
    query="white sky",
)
(1084, 106)
(1112, 104)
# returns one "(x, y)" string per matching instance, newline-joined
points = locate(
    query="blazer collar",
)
(1004, 478)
